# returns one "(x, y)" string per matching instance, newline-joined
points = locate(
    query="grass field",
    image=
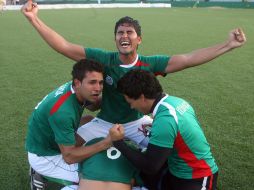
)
(222, 92)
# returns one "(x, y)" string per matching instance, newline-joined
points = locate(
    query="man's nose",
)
(98, 87)
(125, 34)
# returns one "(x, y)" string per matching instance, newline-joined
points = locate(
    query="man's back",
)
(176, 120)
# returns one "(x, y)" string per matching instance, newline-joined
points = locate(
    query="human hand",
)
(29, 9)
(116, 132)
(236, 38)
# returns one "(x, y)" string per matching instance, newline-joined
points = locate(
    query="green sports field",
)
(222, 92)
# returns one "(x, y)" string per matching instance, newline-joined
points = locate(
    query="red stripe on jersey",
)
(59, 102)
(199, 167)
(160, 73)
(211, 183)
(140, 63)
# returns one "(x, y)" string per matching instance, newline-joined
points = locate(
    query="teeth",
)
(125, 43)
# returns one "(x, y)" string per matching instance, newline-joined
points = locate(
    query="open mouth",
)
(125, 44)
(95, 95)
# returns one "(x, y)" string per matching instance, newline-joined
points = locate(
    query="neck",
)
(150, 103)
(128, 59)
(155, 101)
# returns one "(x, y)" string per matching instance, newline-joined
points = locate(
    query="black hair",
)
(83, 66)
(138, 82)
(131, 22)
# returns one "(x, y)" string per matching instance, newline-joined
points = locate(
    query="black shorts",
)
(170, 182)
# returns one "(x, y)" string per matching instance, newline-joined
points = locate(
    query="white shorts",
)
(54, 166)
(100, 128)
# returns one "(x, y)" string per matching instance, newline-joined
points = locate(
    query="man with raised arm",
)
(114, 108)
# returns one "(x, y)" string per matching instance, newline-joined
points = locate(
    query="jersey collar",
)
(157, 102)
(72, 90)
(130, 65)
(84, 104)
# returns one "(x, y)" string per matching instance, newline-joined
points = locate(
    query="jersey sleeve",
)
(161, 63)
(62, 128)
(163, 132)
(158, 63)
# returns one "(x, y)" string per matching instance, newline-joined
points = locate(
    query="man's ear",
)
(139, 40)
(77, 83)
(142, 97)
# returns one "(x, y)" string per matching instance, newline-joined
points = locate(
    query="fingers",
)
(119, 129)
(239, 35)
(116, 132)
(29, 6)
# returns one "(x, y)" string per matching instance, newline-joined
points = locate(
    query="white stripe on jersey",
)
(204, 183)
(171, 109)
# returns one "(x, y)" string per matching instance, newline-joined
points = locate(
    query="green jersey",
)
(176, 126)
(54, 121)
(107, 165)
(114, 108)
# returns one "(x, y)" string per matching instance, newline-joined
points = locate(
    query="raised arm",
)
(56, 41)
(179, 62)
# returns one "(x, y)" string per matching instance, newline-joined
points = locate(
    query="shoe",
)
(37, 182)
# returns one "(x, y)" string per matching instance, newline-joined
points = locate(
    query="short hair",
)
(83, 66)
(131, 22)
(137, 82)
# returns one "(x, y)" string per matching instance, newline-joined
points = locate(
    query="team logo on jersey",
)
(109, 80)
(146, 129)
(60, 90)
